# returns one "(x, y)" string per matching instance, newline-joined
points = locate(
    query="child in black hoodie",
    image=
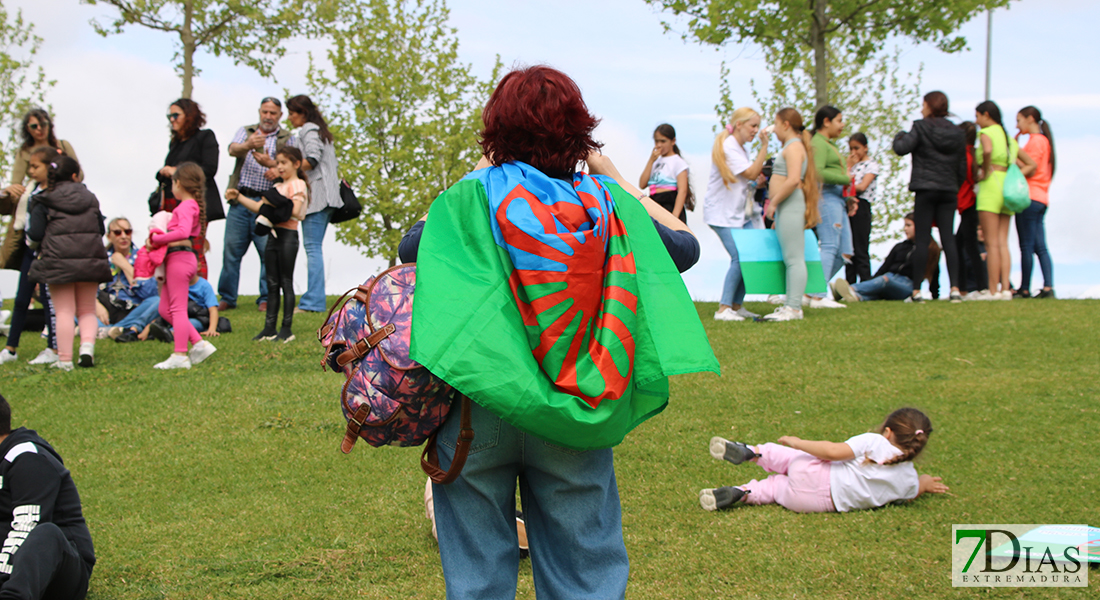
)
(894, 279)
(47, 549)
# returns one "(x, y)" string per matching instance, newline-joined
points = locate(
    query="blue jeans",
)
(1033, 242)
(890, 286)
(733, 290)
(240, 225)
(313, 234)
(141, 315)
(571, 509)
(834, 233)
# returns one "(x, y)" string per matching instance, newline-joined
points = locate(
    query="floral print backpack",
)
(387, 398)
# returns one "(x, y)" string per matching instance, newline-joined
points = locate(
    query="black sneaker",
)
(723, 497)
(265, 336)
(1045, 294)
(159, 331)
(734, 452)
(285, 335)
(127, 336)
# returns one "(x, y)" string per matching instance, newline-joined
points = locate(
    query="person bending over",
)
(47, 550)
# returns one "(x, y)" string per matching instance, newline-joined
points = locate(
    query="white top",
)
(663, 176)
(858, 484)
(861, 169)
(725, 206)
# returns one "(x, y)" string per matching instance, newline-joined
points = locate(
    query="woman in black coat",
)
(190, 143)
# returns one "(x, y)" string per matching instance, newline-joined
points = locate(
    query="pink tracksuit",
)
(801, 482)
(179, 268)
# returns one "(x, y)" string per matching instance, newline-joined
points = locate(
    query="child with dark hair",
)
(68, 226)
(279, 211)
(897, 278)
(866, 471)
(665, 176)
(47, 549)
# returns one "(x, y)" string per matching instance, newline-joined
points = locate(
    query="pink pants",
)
(72, 300)
(179, 268)
(801, 482)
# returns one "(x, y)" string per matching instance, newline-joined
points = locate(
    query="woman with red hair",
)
(542, 294)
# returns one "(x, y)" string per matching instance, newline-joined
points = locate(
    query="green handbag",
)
(1017, 196)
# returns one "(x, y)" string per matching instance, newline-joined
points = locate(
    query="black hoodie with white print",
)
(35, 487)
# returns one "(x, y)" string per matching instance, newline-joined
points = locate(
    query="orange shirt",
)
(295, 190)
(1038, 148)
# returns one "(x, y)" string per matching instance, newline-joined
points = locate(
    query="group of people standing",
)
(55, 238)
(812, 184)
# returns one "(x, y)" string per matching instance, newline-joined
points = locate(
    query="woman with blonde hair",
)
(729, 203)
(794, 192)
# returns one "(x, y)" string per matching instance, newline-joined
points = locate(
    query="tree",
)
(22, 85)
(791, 30)
(875, 97)
(406, 113)
(250, 32)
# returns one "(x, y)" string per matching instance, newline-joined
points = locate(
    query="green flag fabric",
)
(553, 304)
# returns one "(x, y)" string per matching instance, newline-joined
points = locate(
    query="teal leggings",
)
(790, 224)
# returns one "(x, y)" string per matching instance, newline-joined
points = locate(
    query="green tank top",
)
(1002, 145)
(779, 167)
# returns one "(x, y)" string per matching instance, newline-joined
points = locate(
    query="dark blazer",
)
(201, 149)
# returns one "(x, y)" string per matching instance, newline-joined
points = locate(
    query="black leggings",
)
(971, 265)
(938, 207)
(861, 243)
(279, 256)
(23, 302)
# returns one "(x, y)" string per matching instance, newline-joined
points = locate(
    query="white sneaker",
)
(63, 365)
(1005, 295)
(744, 312)
(45, 357)
(87, 355)
(174, 362)
(6, 357)
(200, 352)
(784, 313)
(975, 296)
(727, 314)
(101, 333)
(843, 289)
(825, 303)
(777, 299)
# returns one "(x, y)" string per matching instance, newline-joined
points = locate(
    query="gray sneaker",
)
(722, 497)
(734, 452)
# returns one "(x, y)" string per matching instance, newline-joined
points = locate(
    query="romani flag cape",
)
(553, 304)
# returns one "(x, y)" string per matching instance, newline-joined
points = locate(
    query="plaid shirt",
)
(252, 172)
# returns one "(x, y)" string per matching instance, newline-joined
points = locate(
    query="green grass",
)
(226, 481)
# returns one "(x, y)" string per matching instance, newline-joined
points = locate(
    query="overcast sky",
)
(112, 94)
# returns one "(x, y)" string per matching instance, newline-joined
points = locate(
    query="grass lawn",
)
(226, 481)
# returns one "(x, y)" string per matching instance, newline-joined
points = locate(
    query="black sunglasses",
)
(35, 126)
(122, 231)
(174, 116)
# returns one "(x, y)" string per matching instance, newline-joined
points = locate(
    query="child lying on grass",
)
(867, 471)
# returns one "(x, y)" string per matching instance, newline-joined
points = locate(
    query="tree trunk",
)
(821, 56)
(187, 38)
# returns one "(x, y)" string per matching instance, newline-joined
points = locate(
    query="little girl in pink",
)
(867, 471)
(181, 264)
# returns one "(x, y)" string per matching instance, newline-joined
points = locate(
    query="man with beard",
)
(254, 147)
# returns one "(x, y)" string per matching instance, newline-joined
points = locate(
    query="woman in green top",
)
(998, 151)
(835, 231)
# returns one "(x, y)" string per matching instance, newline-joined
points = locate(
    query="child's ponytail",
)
(59, 168)
(911, 429)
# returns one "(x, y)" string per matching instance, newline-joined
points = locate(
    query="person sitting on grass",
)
(47, 549)
(894, 279)
(867, 471)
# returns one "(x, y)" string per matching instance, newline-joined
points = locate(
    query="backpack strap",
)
(362, 347)
(429, 459)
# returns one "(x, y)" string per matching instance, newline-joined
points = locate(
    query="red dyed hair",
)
(537, 116)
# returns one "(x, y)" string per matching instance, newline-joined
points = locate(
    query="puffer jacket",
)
(938, 147)
(71, 233)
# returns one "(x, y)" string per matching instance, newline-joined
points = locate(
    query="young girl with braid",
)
(866, 471)
(181, 265)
